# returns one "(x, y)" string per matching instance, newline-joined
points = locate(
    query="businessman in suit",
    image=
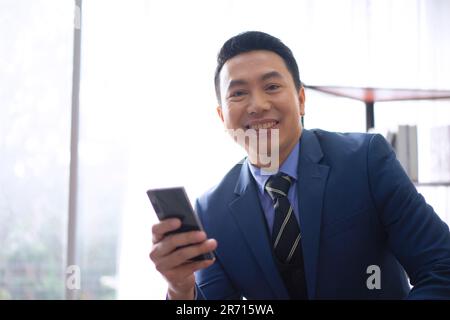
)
(338, 219)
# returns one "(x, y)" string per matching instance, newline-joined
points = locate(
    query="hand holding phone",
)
(174, 203)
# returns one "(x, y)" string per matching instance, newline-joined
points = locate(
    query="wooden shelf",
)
(371, 95)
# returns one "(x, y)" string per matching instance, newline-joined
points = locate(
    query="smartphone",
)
(174, 203)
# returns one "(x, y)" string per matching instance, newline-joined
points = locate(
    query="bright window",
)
(35, 93)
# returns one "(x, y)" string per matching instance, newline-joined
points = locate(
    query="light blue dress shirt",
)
(288, 167)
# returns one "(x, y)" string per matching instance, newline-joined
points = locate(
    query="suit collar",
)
(310, 147)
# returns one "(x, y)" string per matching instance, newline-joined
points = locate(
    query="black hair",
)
(250, 41)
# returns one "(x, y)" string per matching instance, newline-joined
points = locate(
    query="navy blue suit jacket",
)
(357, 208)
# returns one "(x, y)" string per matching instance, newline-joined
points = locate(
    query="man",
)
(339, 220)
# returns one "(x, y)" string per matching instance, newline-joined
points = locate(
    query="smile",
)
(265, 125)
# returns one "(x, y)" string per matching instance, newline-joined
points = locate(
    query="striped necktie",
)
(285, 232)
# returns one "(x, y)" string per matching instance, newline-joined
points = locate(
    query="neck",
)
(283, 155)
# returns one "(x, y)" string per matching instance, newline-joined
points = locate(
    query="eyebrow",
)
(264, 77)
(272, 74)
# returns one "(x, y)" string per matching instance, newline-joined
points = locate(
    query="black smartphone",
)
(174, 203)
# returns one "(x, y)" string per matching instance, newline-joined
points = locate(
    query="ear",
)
(301, 99)
(220, 113)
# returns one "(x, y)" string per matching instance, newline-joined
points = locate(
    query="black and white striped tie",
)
(286, 232)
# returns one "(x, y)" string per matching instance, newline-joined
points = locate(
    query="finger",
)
(161, 228)
(174, 241)
(182, 256)
(196, 265)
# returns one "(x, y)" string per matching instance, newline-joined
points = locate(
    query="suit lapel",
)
(312, 178)
(247, 212)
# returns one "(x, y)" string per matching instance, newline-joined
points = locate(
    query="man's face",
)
(258, 92)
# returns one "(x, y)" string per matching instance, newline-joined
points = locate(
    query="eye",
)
(273, 87)
(237, 94)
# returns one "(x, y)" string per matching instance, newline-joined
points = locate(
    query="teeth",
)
(266, 125)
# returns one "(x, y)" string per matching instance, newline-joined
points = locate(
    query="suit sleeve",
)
(213, 283)
(416, 235)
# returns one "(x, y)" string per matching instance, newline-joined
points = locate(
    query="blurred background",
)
(146, 107)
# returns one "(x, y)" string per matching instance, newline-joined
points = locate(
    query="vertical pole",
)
(71, 293)
(370, 116)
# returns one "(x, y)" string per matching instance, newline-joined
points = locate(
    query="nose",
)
(258, 103)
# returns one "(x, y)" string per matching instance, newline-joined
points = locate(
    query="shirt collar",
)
(288, 167)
